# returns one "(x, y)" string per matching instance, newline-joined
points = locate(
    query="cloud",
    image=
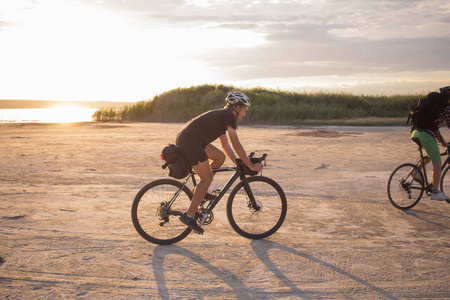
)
(309, 38)
(225, 41)
(313, 53)
(337, 38)
(4, 25)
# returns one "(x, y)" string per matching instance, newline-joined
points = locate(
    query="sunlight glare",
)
(64, 113)
(71, 50)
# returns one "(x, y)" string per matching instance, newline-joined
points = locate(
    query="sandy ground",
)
(66, 232)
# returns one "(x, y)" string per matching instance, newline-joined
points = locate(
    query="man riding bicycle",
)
(429, 137)
(195, 139)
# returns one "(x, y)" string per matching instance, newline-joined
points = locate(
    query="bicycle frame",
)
(410, 177)
(238, 174)
(164, 200)
(421, 164)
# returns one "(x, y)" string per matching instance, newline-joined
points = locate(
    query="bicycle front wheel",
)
(263, 218)
(156, 209)
(445, 182)
(405, 186)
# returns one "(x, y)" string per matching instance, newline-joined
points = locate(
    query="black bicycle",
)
(256, 206)
(409, 181)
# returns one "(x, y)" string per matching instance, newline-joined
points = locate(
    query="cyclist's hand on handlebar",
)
(256, 167)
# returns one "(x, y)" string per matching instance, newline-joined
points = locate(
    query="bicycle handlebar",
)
(260, 159)
(243, 167)
(254, 159)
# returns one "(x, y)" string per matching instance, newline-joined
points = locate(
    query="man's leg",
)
(436, 175)
(206, 177)
(204, 172)
(217, 156)
(433, 152)
(431, 147)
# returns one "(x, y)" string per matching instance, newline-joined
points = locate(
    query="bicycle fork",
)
(252, 203)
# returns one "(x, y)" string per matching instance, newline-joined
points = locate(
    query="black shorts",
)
(192, 148)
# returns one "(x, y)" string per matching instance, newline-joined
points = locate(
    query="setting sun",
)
(66, 114)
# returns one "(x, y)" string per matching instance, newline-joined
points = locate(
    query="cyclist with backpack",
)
(195, 138)
(425, 118)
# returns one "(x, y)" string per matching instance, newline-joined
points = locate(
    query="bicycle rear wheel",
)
(153, 216)
(263, 220)
(405, 186)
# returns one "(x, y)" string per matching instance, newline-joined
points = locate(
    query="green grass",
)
(269, 107)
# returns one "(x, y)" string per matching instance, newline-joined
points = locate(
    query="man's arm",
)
(439, 138)
(226, 146)
(447, 120)
(443, 117)
(237, 146)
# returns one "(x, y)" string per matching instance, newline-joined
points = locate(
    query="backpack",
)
(424, 113)
(175, 160)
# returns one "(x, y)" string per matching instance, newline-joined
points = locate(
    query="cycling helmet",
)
(238, 97)
(445, 91)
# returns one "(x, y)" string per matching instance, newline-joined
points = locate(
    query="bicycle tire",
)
(260, 224)
(404, 192)
(445, 182)
(152, 220)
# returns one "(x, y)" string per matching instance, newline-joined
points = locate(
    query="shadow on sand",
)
(429, 217)
(161, 252)
(261, 249)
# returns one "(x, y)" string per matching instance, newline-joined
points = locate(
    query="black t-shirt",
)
(211, 125)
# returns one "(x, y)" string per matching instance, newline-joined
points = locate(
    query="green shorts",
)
(429, 144)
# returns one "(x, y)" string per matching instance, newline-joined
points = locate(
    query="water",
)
(59, 114)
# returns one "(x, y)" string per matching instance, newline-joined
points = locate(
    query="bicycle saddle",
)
(417, 141)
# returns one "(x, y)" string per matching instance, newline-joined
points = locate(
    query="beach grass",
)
(269, 107)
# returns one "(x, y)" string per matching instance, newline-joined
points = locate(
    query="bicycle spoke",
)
(155, 214)
(262, 216)
(405, 186)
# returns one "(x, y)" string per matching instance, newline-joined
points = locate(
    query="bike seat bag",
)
(175, 160)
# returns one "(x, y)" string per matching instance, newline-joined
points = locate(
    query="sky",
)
(131, 50)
